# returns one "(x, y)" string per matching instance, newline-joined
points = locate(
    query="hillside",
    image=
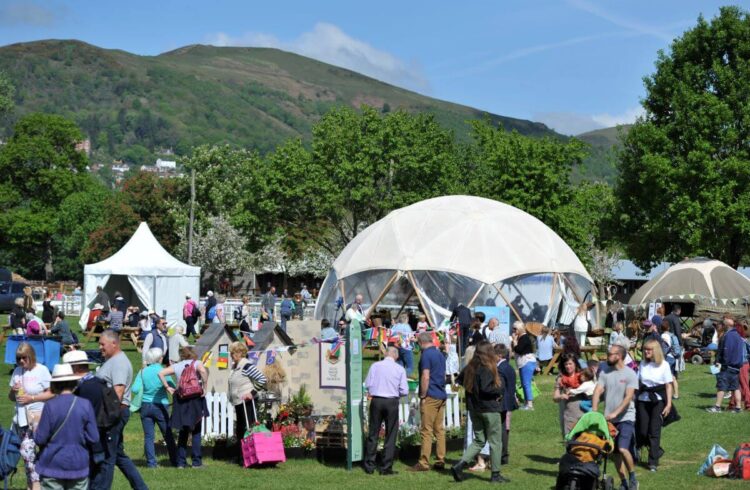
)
(600, 164)
(131, 106)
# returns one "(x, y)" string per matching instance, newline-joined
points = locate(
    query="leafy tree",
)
(529, 173)
(684, 186)
(151, 199)
(79, 215)
(361, 166)
(235, 183)
(6, 95)
(120, 224)
(39, 167)
(218, 248)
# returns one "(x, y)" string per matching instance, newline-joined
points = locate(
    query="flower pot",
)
(299, 453)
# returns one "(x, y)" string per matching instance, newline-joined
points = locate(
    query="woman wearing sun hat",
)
(66, 432)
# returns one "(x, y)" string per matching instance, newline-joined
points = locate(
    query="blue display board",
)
(502, 313)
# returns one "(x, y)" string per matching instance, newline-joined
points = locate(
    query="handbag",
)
(671, 417)
(534, 390)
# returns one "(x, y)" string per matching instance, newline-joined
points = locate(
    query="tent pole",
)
(404, 303)
(570, 285)
(385, 290)
(476, 295)
(552, 293)
(421, 301)
(507, 302)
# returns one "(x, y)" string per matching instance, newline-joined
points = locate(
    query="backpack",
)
(189, 385)
(196, 313)
(741, 462)
(109, 411)
(10, 453)
(286, 307)
(211, 313)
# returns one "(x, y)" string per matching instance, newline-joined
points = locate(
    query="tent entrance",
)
(120, 283)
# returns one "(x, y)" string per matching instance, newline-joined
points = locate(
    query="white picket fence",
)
(408, 410)
(220, 419)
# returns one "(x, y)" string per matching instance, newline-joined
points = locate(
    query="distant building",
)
(120, 168)
(165, 165)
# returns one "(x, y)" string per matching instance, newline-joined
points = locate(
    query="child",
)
(586, 388)
(422, 324)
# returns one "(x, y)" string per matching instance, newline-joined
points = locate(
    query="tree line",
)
(682, 186)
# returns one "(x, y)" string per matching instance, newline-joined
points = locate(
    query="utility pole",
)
(192, 216)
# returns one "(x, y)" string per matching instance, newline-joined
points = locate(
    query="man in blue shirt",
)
(432, 397)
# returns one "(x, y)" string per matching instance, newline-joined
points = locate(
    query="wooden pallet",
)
(330, 439)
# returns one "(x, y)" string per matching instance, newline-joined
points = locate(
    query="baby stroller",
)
(588, 445)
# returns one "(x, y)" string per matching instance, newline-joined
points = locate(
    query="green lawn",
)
(535, 447)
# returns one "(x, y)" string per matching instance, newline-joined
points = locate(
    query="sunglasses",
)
(22, 358)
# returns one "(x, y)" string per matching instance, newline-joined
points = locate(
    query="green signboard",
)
(353, 353)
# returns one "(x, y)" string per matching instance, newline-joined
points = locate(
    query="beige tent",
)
(698, 280)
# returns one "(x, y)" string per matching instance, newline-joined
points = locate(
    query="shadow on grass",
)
(542, 459)
(534, 471)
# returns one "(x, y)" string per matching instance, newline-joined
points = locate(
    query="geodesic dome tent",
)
(453, 250)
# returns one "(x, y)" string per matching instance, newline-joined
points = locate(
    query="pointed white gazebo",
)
(145, 274)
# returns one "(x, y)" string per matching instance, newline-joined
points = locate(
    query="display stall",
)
(146, 275)
(451, 250)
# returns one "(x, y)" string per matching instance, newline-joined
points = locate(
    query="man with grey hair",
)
(355, 310)
(386, 383)
(493, 334)
(432, 397)
(118, 373)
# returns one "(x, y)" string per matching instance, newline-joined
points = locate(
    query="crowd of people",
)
(80, 415)
(637, 397)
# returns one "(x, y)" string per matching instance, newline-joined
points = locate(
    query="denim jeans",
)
(527, 375)
(156, 414)
(115, 456)
(285, 317)
(406, 359)
(182, 439)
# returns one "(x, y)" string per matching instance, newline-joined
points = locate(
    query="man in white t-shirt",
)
(356, 310)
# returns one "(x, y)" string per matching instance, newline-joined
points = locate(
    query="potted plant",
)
(300, 404)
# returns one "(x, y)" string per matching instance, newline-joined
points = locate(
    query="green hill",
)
(599, 165)
(131, 106)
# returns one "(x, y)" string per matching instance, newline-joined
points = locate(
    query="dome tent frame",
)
(466, 246)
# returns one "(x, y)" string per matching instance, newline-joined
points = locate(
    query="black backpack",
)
(109, 411)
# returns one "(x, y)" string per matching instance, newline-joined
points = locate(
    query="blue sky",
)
(575, 65)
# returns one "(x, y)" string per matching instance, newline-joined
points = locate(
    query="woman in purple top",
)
(67, 435)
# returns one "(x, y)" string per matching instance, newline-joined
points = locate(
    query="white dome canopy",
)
(479, 238)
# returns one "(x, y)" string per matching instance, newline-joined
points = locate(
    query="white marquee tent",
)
(145, 274)
(459, 249)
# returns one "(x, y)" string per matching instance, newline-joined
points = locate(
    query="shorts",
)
(625, 436)
(728, 380)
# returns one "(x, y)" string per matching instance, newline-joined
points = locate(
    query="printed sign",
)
(332, 367)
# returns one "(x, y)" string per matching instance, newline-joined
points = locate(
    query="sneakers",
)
(714, 409)
(736, 410)
(526, 407)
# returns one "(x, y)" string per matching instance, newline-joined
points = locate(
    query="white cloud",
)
(627, 117)
(571, 123)
(621, 21)
(328, 43)
(28, 13)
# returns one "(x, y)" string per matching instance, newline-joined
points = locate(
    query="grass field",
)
(535, 447)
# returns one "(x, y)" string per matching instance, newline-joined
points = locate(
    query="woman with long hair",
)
(523, 347)
(570, 405)
(484, 390)
(654, 400)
